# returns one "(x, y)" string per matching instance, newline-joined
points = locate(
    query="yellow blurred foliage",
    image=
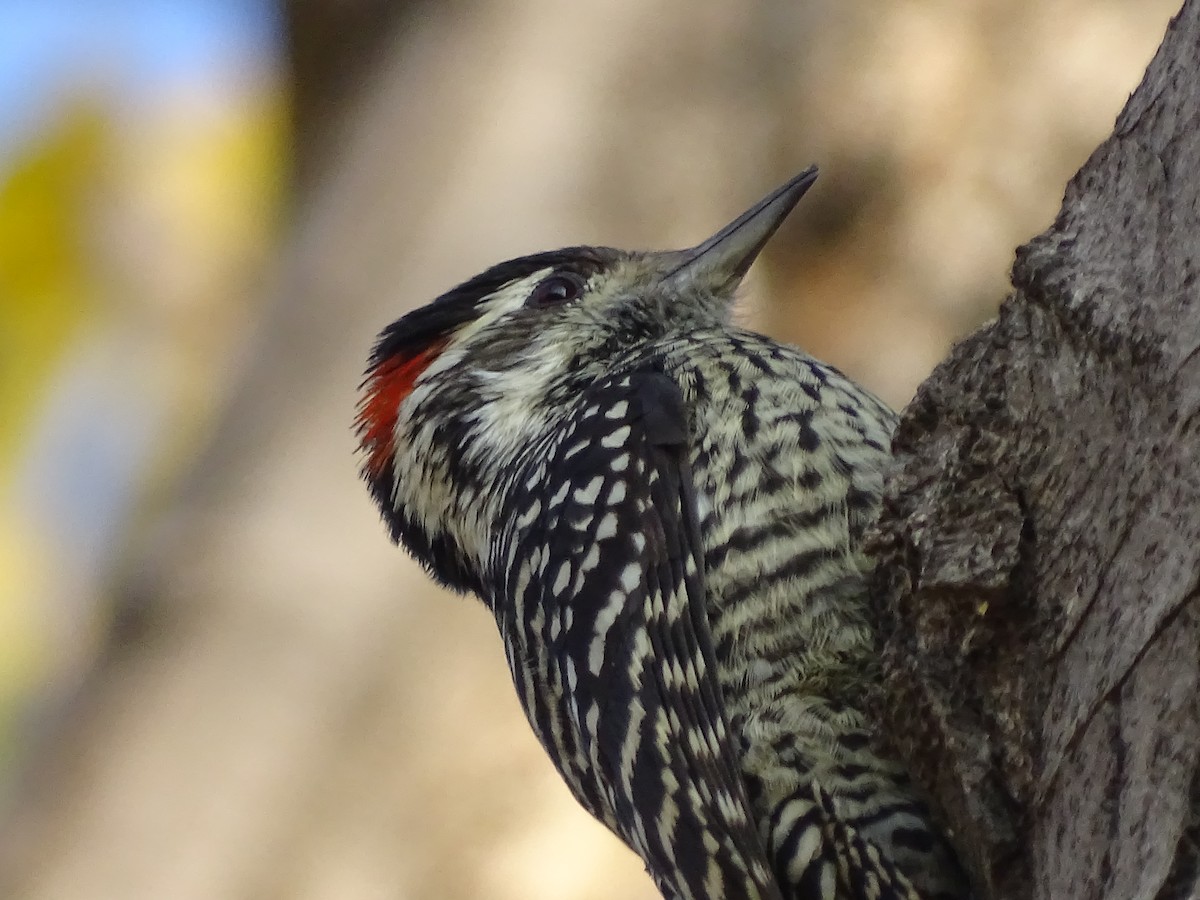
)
(131, 245)
(44, 269)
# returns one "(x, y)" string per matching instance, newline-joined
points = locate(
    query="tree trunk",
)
(1040, 548)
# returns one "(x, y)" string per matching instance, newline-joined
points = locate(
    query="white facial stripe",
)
(505, 420)
(508, 299)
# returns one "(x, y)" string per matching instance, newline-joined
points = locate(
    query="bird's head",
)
(457, 391)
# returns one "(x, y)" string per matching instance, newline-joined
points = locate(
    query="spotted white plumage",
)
(664, 514)
(606, 582)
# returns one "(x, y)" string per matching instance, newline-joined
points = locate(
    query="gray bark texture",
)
(1039, 554)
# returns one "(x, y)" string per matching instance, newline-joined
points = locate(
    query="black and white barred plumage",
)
(663, 513)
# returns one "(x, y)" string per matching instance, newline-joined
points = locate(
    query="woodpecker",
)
(664, 514)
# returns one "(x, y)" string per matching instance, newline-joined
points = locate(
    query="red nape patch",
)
(385, 388)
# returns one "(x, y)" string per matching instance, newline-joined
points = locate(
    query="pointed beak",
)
(721, 262)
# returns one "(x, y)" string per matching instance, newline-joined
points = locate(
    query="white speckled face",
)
(462, 388)
(516, 355)
(504, 414)
(491, 309)
(506, 377)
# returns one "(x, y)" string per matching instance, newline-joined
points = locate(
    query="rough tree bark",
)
(1040, 547)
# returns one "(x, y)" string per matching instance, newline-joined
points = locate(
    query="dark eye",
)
(561, 287)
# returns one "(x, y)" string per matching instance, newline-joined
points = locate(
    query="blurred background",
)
(217, 678)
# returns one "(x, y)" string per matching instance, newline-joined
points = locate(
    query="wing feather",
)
(629, 705)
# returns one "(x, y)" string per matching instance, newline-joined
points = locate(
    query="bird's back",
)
(787, 457)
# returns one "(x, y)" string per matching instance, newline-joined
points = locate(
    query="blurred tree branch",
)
(1040, 548)
(332, 49)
